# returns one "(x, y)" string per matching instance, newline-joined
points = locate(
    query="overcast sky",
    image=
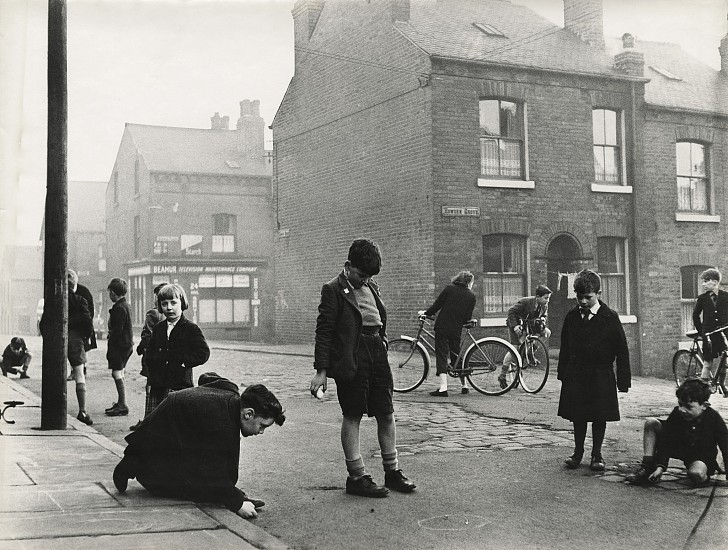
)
(177, 62)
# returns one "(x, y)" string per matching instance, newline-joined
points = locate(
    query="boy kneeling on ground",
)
(693, 432)
(189, 446)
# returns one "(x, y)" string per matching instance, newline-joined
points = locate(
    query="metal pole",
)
(55, 292)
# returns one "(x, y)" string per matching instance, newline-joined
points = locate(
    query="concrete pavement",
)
(488, 471)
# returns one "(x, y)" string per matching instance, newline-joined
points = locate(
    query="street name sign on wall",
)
(467, 211)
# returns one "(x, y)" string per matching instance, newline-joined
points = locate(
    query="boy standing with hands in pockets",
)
(351, 348)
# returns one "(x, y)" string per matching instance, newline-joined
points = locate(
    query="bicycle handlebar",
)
(720, 329)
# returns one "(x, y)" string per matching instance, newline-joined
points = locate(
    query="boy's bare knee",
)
(653, 424)
(698, 472)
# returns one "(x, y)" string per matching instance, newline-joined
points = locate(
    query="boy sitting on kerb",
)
(693, 433)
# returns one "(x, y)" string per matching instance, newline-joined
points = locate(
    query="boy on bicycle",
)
(455, 305)
(693, 432)
(713, 306)
(351, 348)
(533, 310)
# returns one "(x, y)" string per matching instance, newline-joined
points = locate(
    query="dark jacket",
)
(121, 340)
(153, 317)
(455, 305)
(338, 328)
(89, 342)
(170, 362)
(79, 319)
(526, 309)
(698, 439)
(713, 316)
(586, 366)
(189, 446)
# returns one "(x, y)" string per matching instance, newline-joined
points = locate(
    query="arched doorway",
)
(562, 257)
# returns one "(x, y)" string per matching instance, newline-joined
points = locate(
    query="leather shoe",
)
(396, 480)
(365, 487)
(503, 382)
(86, 419)
(641, 476)
(117, 411)
(465, 391)
(597, 463)
(121, 476)
(438, 393)
(135, 426)
(572, 463)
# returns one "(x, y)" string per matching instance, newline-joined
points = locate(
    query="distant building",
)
(481, 136)
(23, 288)
(87, 239)
(193, 206)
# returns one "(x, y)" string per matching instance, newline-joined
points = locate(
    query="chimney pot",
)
(627, 41)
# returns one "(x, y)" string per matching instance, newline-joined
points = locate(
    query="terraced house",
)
(481, 136)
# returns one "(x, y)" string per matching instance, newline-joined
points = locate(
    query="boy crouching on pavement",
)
(189, 446)
(693, 432)
(16, 354)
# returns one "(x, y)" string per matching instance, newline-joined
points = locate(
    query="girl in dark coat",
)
(591, 340)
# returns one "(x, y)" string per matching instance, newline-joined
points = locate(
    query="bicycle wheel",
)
(685, 365)
(535, 365)
(487, 360)
(409, 363)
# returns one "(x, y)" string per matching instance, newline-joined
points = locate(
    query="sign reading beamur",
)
(471, 211)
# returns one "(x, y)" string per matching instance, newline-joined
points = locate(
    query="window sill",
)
(628, 319)
(688, 217)
(506, 184)
(493, 322)
(606, 188)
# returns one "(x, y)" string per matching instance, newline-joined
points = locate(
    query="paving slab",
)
(218, 539)
(105, 521)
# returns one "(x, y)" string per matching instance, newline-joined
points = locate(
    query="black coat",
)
(189, 446)
(338, 328)
(170, 362)
(713, 316)
(586, 366)
(455, 305)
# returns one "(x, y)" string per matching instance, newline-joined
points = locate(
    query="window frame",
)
(502, 278)
(617, 147)
(614, 277)
(687, 303)
(520, 139)
(690, 177)
(224, 243)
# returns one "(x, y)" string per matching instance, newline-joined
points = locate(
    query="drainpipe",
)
(633, 232)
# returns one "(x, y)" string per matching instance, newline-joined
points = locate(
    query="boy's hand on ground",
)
(247, 510)
(656, 475)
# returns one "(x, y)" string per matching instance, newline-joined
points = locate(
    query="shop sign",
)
(468, 211)
(191, 245)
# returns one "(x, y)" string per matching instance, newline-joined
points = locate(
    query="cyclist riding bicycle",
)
(532, 310)
(710, 313)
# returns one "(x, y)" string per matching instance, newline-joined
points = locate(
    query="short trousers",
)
(76, 352)
(370, 392)
(117, 358)
(688, 457)
(19, 360)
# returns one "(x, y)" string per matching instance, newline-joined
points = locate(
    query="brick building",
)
(87, 240)
(480, 136)
(193, 206)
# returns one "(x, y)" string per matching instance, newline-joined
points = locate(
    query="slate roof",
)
(86, 206)
(193, 151)
(446, 29)
(700, 88)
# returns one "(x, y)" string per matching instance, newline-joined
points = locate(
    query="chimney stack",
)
(305, 16)
(585, 18)
(251, 128)
(629, 60)
(723, 49)
(219, 123)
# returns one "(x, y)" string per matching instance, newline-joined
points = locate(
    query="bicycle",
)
(480, 361)
(534, 370)
(689, 363)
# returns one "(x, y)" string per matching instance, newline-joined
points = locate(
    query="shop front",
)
(224, 296)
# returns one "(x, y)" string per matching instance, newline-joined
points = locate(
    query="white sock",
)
(443, 382)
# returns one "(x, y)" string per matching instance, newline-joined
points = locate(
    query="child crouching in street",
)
(693, 432)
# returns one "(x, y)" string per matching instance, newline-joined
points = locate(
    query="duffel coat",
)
(586, 366)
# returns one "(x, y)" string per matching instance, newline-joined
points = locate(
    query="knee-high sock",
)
(579, 436)
(598, 431)
(81, 396)
(120, 390)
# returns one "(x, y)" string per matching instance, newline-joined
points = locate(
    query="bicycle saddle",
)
(691, 333)
(471, 324)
